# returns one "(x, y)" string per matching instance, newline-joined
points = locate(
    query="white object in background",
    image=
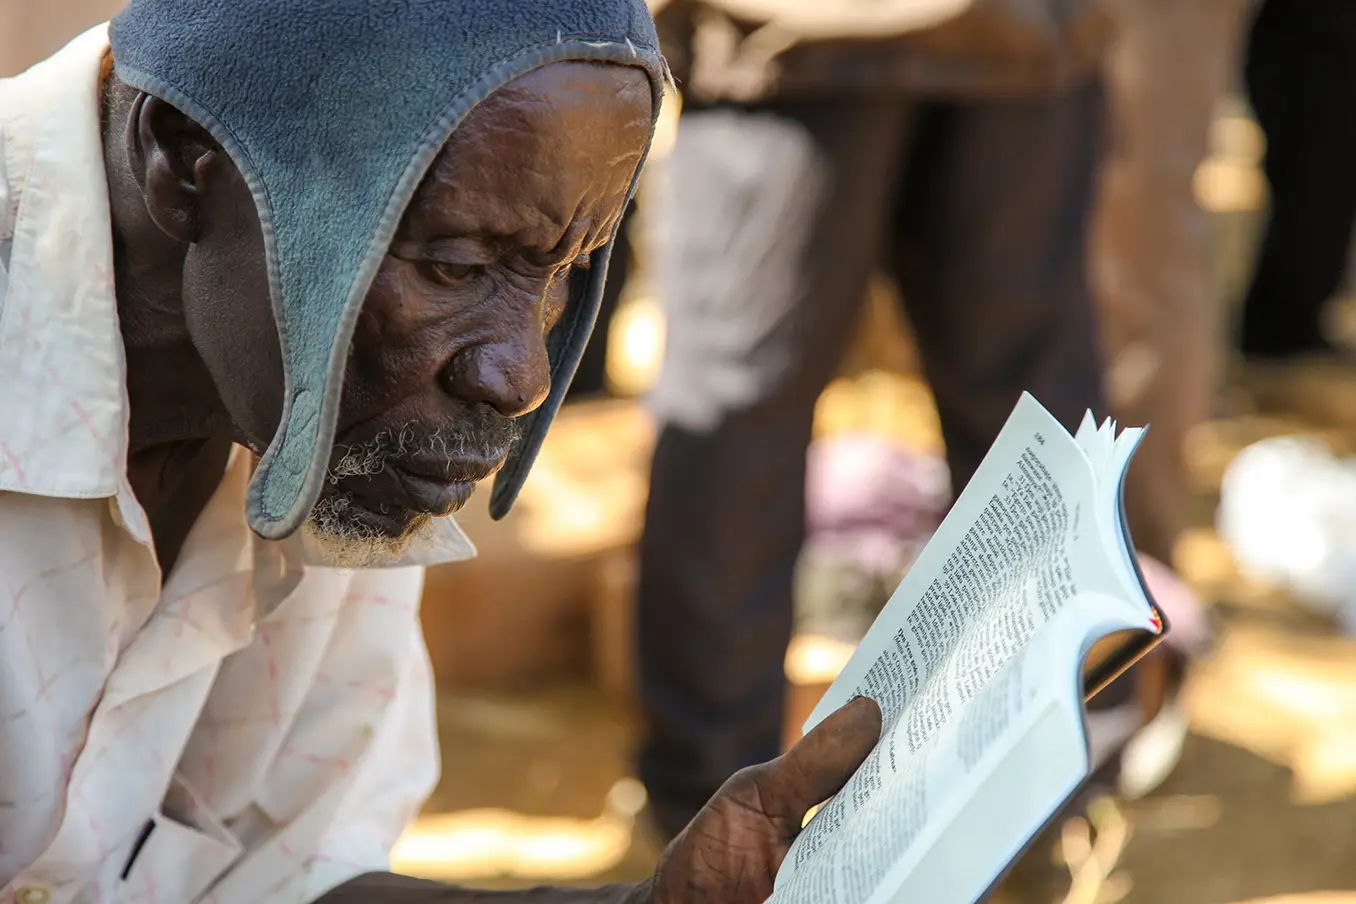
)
(1288, 514)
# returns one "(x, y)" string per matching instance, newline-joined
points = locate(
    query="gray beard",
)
(343, 540)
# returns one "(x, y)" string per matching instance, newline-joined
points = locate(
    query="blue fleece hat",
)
(333, 110)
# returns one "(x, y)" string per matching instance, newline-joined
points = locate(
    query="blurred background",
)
(1220, 309)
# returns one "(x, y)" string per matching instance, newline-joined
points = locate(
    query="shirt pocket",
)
(184, 850)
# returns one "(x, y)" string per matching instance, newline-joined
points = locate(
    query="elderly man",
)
(279, 284)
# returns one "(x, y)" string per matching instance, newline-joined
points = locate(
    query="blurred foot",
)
(1152, 752)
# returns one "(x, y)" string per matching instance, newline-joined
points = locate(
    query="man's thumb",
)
(821, 762)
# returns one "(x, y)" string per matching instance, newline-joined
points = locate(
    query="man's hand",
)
(730, 853)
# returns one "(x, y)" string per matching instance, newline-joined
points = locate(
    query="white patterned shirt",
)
(257, 729)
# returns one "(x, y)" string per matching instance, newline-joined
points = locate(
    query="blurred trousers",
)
(1301, 74)
(775, 215)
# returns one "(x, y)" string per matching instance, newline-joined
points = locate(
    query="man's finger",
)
(819, 765)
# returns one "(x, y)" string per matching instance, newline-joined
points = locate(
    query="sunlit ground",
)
(536, 783)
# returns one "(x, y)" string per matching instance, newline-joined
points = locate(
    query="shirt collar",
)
(63, 385)
(63, 389)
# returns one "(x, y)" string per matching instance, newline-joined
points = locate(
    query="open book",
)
(1026, 601)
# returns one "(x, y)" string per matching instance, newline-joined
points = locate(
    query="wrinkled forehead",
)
(564, 136)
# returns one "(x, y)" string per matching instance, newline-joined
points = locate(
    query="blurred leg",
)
(1171, 64)
(1301, 72)
(772, 223)
(992, 261)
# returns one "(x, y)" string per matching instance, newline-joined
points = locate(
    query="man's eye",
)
(445, 274)
(582, 262)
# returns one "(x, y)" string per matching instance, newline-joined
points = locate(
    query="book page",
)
(894, 814)
(952, 651)
(942, 823)
(1097, 443)
(1113, 491)
(1019, 791)
(1002, 554)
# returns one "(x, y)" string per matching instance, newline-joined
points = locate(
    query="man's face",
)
(449, 349)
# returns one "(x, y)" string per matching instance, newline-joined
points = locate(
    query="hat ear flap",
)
(565, 347)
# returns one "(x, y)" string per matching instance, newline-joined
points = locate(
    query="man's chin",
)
(345, 534)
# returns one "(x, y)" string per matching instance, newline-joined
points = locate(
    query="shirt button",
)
(34, 894)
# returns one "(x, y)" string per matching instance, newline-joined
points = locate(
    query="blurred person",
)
(819, 140)
(1167, 69)
(1301, 80)
(280, 284)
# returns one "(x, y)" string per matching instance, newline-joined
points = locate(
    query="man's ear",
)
(172, 158)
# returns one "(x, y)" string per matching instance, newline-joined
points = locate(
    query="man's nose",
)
(512, 377)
